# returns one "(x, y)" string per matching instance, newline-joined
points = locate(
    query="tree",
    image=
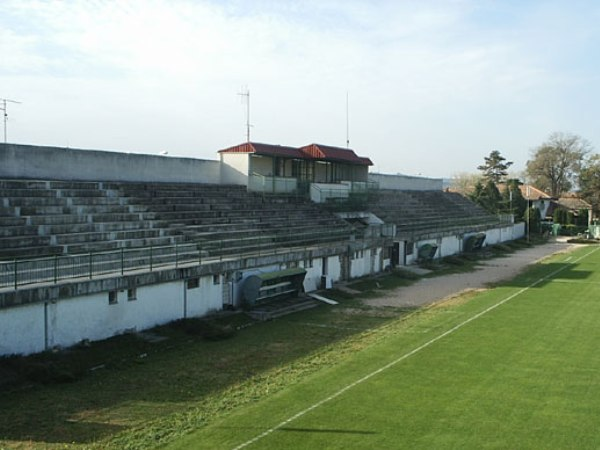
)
(495, 168)
(487, 196)
(589, 182)
(533, 218)
(464, 182)
(555, 165)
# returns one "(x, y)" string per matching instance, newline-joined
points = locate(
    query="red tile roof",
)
(326, 152)
(264, 149)
(312, 151)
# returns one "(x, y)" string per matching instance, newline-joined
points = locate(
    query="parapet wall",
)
(59, 163)
(406, 182)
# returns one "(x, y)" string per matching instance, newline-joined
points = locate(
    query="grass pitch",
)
(514, 367)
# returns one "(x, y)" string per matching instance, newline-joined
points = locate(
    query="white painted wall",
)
(334, 268)
(361, 266)
(406, 182)
(449, 245)
(92, 317)
(22, 329)
(206, 298)
(237, 163)
(312, 280)
(51, 163)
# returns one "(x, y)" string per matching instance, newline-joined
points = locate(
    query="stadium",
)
(95, 244)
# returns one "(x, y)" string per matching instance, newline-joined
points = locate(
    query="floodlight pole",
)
(5, 110)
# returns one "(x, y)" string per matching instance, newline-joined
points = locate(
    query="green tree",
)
(556, 164)
(495, 167)
(533, 218)
(560, 216)
(487, 196)
(589, 182)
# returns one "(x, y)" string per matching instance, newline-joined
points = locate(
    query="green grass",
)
(523, 375)
(190, 392)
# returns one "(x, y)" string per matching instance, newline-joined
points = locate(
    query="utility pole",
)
(5, 110)
(245, 96)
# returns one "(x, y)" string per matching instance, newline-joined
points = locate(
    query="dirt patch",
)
(430, 290)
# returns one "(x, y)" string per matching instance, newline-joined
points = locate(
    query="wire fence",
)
(59, 268)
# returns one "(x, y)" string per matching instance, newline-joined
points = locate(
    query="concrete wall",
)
(57, 163)
(22, 329)
(406, 182)
(235, 168)
(449, 245)
(35, 328)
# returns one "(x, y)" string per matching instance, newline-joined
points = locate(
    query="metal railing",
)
(92, 265)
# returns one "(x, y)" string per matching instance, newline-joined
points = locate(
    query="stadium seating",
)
(40, 218)
(428, 212)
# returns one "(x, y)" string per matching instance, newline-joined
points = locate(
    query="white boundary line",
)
(412, 352)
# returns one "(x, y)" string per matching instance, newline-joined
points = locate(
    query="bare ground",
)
(430, 290)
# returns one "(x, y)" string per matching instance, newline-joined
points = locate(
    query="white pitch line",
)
(407, 355)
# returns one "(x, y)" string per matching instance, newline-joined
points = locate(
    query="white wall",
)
(312, 280)
(360, 266)
(50, 163)
(334, 268)
(449, 245)
(92, 317)
(406, 182)
(206, 298)
(22, 329)
(237, 165)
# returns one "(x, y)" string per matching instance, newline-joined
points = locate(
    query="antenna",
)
(245, 96)
(347, 123)
(4, 108)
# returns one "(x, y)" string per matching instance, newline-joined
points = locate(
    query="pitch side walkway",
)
(429, 290)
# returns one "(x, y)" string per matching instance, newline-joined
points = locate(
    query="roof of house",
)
(530, 192)
(573, 202)
(312, 151)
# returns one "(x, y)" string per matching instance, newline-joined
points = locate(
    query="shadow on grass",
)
(540, 275)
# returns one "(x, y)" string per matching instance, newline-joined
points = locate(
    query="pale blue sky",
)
(434, 86)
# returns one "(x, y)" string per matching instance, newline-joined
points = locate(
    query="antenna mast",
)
(347, 122)
(4, 108)
(245, 96)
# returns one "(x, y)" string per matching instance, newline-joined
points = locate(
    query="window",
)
(193, 283)
(112, 297)
(410, 248)
(308, 263)
(131, 294)
(217, 279)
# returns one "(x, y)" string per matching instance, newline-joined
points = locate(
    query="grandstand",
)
(419, 214)
(43, 218)
(94, 243)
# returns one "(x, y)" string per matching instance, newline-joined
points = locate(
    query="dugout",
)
(272, 286)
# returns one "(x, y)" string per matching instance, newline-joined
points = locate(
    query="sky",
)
(421, 87)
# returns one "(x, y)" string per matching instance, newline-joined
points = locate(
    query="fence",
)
(55, 269)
